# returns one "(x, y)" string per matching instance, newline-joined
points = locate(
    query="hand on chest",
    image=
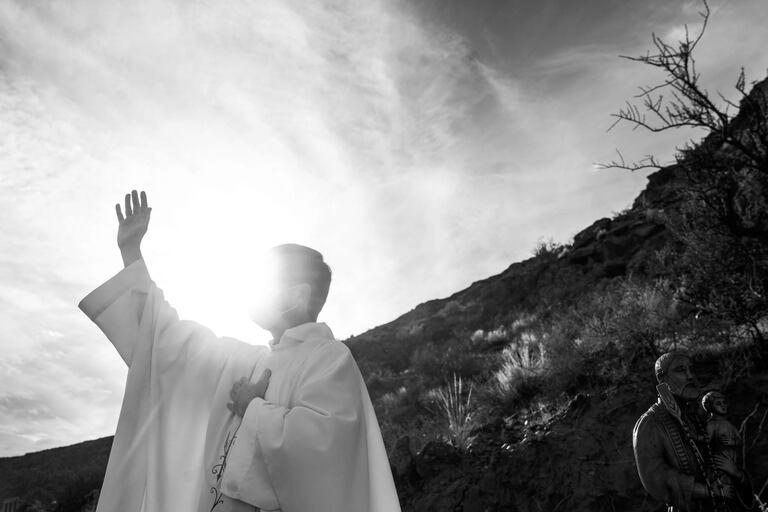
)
(285, 367)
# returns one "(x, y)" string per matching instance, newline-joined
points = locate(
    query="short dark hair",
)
(299, 264)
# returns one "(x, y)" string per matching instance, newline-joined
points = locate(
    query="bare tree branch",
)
(648, 162)
(679, 101)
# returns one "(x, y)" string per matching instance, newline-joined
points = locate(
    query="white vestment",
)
(312, 444)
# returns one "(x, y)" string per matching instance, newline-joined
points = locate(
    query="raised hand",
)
(132, 226)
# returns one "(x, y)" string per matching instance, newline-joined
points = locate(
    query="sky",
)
(420, 145)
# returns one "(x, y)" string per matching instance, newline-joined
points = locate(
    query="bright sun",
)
(217, 281)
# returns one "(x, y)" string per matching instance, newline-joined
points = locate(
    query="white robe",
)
(312, 444)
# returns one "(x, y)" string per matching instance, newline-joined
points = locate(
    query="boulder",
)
(434, 457)
(401, 457)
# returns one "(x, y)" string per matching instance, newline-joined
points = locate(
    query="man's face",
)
(272, 295)
(279, 300)
(681, 380)
(272, 304)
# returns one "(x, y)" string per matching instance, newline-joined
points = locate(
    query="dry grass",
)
(459, 410)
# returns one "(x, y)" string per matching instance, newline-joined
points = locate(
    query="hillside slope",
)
(561, 276)
(562, 439)
(66, 473)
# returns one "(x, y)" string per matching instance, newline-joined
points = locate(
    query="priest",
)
(215, 424)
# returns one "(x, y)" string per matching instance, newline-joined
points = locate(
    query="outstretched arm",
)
(111, 306)
(130, 309)
(133, 226)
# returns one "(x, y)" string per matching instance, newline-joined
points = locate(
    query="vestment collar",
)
(309, 331)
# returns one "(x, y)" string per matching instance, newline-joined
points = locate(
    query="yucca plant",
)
(459, 412)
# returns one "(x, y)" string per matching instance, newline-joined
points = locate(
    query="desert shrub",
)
(546, 248)
(518, 368)
(450, 308)
(459, 411)
(639, 318)
(564, 355)
(526, 356)
(380, 381)
(492, 337)
(437, 363)
(546, 357)
(627, 325)
(403, 402)
(504, 333)
(599, 341)
(446, 413)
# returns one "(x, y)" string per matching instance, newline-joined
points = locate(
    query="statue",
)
(723, 441)
(671, 450)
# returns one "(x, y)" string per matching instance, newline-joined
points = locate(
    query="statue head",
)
(674, 369)
(715, 403)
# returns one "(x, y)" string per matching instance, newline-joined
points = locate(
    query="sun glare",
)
(212, 261)
(221, 299)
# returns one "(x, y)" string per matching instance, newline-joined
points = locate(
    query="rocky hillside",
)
(558, 276)
(561, 275)
(562, 438)
(574, 456)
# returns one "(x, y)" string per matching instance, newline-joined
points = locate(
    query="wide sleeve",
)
(662, 480)
(117, 305)
(130, 299)
(313, 454)
(174, 369)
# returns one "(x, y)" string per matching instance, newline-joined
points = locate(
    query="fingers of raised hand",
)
(135, 201)
(119, 212)
(266, 374)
